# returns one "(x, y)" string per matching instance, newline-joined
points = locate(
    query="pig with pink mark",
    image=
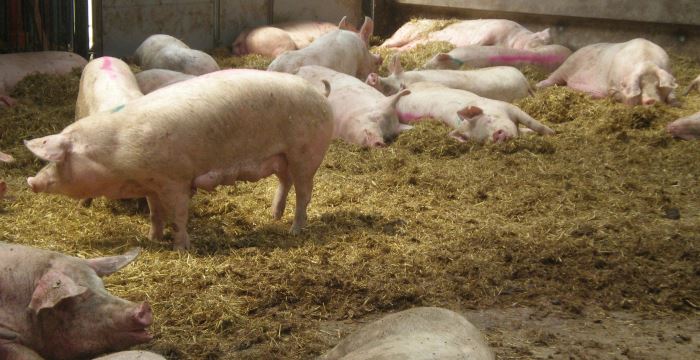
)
(6, 158)
(154, 79)
(14, 67)
(106, 84)
(546, 57)
(342, 50)
(201, 132)
(499, 32)
(277, 38)
(55, 306)
(162, 51)
(473, 118)
(634, 72)
(361, 114)
(503, 83)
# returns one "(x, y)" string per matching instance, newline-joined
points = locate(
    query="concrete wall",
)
(673, 24)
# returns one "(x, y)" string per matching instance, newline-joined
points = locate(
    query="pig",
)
(499, 32)
(499, 82)
(472, 117)
(154, 79)
(200, 133)
(686, 128)
(6, 158)
(275, 39)
(131, 355)
(694, 85)
(414, 334)
(162, 51)
(106, 84)
(55, 306)
(546, 57)
(341, 50)
(361, 114)
(14, 67)
(634, 72)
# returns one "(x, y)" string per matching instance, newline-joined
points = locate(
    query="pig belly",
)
(251, 172)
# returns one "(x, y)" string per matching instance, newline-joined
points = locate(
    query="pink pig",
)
(154, 79)
(472, 117)
(499, 32)
(504, 83)
(277, 38)
(361, 114)
(342, 50)
(54, 306)
(201, 132)
(686, 128)
(3, 186)
(106, 84)
(14, 67)
(634, 72)
(545, 57)
(162, 51)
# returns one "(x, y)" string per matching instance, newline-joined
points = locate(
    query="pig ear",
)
(395, 67)
(366, 30)
(544, 35)
(108, 265)
(521, 117)
(666, 80)
(455, 134)
(53, 287)
(372, 79)
(6, 157)
(470, 113)
(50, 148)
(395, 98)
(343, 25)
(631, 89)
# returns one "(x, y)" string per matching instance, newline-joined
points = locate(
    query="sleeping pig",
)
(162, 51)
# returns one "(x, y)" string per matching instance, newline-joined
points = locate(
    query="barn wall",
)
(121, 25)
(673, 24)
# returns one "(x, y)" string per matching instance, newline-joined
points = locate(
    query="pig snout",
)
(34, 184)
(500, 136)
(648, 101)
(143, 316)
(135, 321)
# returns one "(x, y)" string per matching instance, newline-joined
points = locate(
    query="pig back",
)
(211, 122)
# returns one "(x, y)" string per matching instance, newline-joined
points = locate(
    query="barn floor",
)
(585, 244)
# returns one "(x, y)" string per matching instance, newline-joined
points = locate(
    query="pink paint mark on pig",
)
(107, 66)
(536, 59)
(411, 117)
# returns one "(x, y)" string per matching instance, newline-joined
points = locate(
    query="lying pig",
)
(166, 52)
(199, 133)
(56, 307)
(499, 32)
(6, 158)
(341, 50)
(694, 85)
(275, 39)
(415, 334)
(362, 115)
(499, 82)
(634, 72)
(154, 79)
(106, 84)
(472, 117)
(14, 67)
(686, 128)
(131, 355)
(546, 57)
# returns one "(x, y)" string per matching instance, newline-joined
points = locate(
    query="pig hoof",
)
(182, 244)
(295, 230)
(85, 202)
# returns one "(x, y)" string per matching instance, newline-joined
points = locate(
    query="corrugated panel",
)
(323, 10)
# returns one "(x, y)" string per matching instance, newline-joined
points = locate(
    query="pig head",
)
(376, 127)
(56, 305)
(481, 127)
(646, 85)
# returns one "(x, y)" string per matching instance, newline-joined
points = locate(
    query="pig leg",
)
(3, 189)
(279, 202)
(553, 79)
(157, 218)
(302, 171)
(175, 202)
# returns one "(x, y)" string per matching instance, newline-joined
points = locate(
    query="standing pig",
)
(546, 57)
(497, 32)
(56, 307)
(166, 52)
(362, 115)
(275, 39)
(3, 186)
(472, 117)
(201, 132)
(499, 82)
(154, 79)
(106, 84)
(14, 67)
(341, 50)
(634, 72)
(686, 128)
(414, 334)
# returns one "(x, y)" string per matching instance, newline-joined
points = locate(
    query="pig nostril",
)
(649, 102)
(144, 315)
